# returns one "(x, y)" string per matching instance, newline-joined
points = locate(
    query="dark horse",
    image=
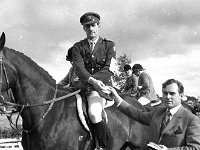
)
(57, 127)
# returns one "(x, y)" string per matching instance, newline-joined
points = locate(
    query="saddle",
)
(82, 108)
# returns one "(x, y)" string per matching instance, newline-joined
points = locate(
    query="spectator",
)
(146, 92)
(69, 80)
(180, 130)
(131, 83)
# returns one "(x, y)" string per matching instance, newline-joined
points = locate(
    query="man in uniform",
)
(92, 58)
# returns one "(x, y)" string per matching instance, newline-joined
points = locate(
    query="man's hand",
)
(115, 96)
(98, 85)
(163, 147)
(154, 146)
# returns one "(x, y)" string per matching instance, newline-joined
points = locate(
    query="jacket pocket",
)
(178, 131)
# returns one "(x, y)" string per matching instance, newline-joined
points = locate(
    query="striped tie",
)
(165, 121)
(92, 44)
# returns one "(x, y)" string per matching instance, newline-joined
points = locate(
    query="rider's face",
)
(128, 72)
(136, 72)
(92, 30)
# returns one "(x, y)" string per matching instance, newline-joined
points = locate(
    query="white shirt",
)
(174, 110)
(94, 42)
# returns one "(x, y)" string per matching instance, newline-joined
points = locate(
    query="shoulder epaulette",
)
(78, 43)
(107, 39)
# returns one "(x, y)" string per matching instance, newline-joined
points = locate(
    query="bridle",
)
(3, 72)
(2, 69)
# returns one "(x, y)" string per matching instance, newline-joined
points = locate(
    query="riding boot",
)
(102, 132)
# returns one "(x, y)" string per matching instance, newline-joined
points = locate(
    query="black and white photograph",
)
(99, 74)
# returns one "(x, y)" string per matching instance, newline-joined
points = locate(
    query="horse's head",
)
(2, 43)
(7, 73)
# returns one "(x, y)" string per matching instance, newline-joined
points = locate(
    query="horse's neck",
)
(33, 83)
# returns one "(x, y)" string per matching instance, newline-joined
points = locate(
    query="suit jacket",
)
(147, 89)
(94, 63)
(182, 132)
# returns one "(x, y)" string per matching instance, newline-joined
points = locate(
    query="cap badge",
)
(89, 17)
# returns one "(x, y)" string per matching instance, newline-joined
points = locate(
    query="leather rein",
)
(5, 103)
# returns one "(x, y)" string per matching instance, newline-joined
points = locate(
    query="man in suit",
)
(92, 59)
(183, 128)
(146, 91)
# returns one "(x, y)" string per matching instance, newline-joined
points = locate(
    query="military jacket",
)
(94, 63)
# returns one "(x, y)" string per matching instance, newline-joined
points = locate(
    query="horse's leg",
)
(25, 141)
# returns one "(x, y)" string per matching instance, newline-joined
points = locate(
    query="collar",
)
(175, 109)
(95, 41)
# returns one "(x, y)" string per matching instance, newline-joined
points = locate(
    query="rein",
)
(49, 108)
(43, 103)
(51, 102)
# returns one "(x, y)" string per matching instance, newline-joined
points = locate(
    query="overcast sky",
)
(162, 35)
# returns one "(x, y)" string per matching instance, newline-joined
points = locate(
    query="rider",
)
(92, 58)
(131, 83)
(70, 79)
(146, 89)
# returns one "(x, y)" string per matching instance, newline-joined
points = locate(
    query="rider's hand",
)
(113, 92)
(98, 84)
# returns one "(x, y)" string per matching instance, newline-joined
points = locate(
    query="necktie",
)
(166, 120)
(92, 44)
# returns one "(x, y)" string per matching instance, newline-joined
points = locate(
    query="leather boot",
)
(102, 132)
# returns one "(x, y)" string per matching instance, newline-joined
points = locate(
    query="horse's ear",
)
(2, 40)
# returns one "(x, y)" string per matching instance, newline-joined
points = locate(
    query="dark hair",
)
(170, 81)
(69, 54)
(137, 67)
(127, 67)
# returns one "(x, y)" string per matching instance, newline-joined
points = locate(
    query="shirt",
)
(174, 110)
(94, 42)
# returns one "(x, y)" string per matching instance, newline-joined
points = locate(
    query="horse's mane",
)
(31, 63)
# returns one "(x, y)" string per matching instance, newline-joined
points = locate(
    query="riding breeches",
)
(143, 100)
(95, 106)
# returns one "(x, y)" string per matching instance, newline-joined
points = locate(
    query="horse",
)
(50, 118)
